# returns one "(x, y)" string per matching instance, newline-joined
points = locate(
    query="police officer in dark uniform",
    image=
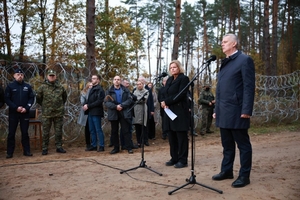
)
(19, 96)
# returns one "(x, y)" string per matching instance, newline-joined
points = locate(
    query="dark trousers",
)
(164, 132)
(239, 136)
(151, 128)
(140, 131)
(14, 120)
(87, 134)
(125, 126)
(178, 146)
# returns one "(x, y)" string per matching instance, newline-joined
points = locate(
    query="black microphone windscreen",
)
(164, 74)
(213, 57)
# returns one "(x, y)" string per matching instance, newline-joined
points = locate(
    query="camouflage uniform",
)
(206, 97)
(52, 97)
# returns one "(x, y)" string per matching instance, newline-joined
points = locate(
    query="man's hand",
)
(245, 116)
(119, 107)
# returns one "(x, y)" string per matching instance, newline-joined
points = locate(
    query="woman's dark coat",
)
(179, 106)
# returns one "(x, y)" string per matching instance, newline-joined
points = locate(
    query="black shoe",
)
(101, 149)
(195, 134)
(114, 151)
(164, 137)
(91, 148)
(110, 145)
(209, 132)
(130, 151)
(147, 143)
(27, 154)
(134, 146)
(180, 165)
(87, 146)
(170, 163)
(241, 181)
(9, 155)
(60, 150)
(222, 176)
(45, 152)
(201, 133)
(123, 148)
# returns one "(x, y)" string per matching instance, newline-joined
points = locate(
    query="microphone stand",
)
(143, 162)
(192, 179)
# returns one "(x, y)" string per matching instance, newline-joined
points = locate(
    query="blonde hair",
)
(85, 89)
(179, 65)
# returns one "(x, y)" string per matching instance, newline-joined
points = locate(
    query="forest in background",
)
(59, 31)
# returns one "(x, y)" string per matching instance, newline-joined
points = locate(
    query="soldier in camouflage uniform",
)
(51, 95)
(207, 100)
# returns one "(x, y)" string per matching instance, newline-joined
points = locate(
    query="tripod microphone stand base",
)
(192, 181)
(142, 165)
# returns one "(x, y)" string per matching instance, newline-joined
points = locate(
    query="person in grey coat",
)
(234, 104)
(83, 118)
(140, 113)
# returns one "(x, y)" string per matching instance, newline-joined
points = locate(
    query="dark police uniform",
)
(18, 94)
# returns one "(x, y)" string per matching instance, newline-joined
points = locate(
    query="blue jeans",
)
(96, 132)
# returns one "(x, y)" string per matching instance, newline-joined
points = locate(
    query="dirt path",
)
(92, 175)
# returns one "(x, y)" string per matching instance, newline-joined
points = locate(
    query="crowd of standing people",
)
(232, 107)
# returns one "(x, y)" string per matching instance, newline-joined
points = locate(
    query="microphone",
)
(212, 58)
(162, 75)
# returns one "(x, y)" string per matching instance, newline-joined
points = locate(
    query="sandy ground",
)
(93, 175)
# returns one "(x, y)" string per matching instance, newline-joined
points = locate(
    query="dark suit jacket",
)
(179, 106)
(235, 92)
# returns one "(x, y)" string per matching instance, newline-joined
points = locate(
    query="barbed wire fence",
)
(276, 100)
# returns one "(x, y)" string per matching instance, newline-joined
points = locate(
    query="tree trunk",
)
(274, 38)
(176, 30)
(290, 57)
(42, 16)
(90, 38)
(23, 31)
(7, 31)
(266, 41)
(252, 28)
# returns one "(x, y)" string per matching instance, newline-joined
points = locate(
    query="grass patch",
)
(274, 128)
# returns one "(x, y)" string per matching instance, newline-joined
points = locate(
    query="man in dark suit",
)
(234, 104)
(178, 128)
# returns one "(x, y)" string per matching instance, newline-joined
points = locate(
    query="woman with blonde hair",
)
(177, 128)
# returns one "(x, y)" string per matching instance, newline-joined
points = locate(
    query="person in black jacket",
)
(19, 97)
(177, 128)
(118, 101)
(94, 108)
